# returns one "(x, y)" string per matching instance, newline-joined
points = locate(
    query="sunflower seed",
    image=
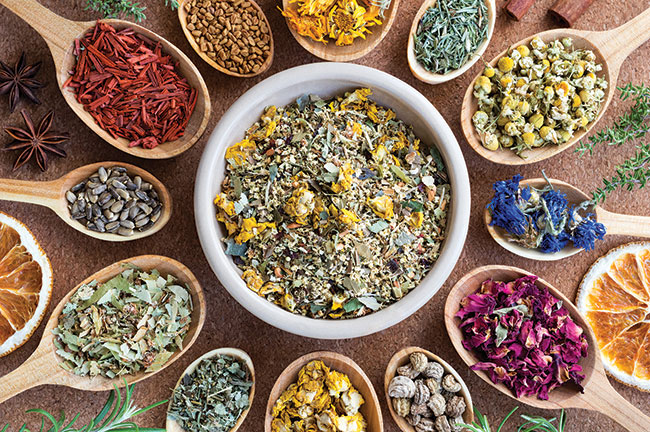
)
(117, 206)
(142, 222)
(125, 231)
(102, 174)
(70, 196)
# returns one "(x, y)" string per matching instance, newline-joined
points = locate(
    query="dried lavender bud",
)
(455, 407)
(401, 387)
(402, 406)
(419, 361)
(407, 371)
(425, 425)
(422, 393)
(434, 370)
(437, 404)
(450, 384)
(433, 385)
(421, 410)
(442, 424)
(413, 420)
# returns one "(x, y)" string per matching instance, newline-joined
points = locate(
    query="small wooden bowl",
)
(358, 48)
(401, 358)
(424, 75)
(370, 409)
(182, 18)
(238, 354)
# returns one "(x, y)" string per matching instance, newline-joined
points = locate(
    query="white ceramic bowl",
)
(327, 80)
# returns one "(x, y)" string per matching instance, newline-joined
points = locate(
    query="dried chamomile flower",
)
(402, 406)
(419, 361)
(401, 387)
(450, 384)
(455, 407)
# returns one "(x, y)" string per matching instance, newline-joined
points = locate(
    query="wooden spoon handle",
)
(622, 224)
(617, 44)
(58, 32)
(41, 193)
(603, 398)
(37, 369)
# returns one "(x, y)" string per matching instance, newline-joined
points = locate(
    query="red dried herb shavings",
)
(130, 87)
(524, 335)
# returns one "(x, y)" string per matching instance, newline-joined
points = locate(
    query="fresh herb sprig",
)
(125, 8)
(113, 417)
(532, 424)
(635, 171)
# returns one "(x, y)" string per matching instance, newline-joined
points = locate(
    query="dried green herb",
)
(449, 33)
(125, 8)
(531, 423)
(134, 321)
(333, 208)
(114, 416)
(213, 396)
(635, 171)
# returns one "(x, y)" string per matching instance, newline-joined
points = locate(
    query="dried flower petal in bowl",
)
(524, 335)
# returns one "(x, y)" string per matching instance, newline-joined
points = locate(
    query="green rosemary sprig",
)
(629, 126)
(125, 8)
(114, 417)
(531, 423)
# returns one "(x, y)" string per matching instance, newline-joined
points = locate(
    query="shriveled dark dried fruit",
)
(425, 425)
(401, 387)
(450, 384)
(455, 407)
(434, 370)
(413, 419)
(407, 371)
(422, 393)
(421, 409)
(419, 361)
(433, 385)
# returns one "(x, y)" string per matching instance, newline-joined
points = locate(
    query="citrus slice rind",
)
(614, 298)
(43, 289)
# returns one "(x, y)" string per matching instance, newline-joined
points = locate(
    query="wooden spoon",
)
(358, 48)
(424, 75)
(52, 194)
(615, 223)
(238, 354)
(598, 393)
(60, 34)
(370, 409)
(401, 358)
(611, 48)
(182, 17)
(42, 367)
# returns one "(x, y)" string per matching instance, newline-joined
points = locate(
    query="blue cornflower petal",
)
(525, 193)
(587, 232)
(552, 244)
(556, 203)
(503, 207)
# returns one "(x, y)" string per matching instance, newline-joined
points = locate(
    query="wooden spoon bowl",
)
(615, 223)
(60, 34)
(611, 49)
(401, 358)
(42, 367)
(52, 194)
(358, 48)
(173, 426)
(370, 409)
(182, 18)
(424, 75)
(598, 394)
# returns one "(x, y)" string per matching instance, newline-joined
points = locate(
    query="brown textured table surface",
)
(74, 256)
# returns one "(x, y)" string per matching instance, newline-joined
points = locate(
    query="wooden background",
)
(74, 256)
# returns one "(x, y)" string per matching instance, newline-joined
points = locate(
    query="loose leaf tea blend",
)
(130, 323)
(333, 208)
(523, 336)
(131, 88)
(538, 95)
(213, 396)
(112, 201)
(449, 33)
(321, 396)
(542, 218)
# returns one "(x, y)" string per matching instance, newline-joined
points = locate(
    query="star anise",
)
(19, 81)
(35, 142)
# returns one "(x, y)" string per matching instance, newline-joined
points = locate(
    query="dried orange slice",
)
(614, 297)
(25, 284)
